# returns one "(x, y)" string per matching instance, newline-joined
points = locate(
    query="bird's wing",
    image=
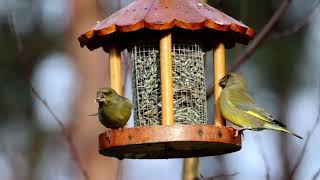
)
(246, 104)
(258, 112)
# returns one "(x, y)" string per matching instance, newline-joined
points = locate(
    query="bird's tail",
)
(282, 129)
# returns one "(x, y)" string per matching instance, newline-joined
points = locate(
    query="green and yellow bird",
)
(240, 109)
(114, 110)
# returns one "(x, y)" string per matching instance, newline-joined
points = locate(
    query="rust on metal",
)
(162, 15)
(162, 142)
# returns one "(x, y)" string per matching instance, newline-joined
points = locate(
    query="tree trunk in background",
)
(92, 69)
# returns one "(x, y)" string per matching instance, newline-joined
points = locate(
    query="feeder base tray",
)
(163, 142)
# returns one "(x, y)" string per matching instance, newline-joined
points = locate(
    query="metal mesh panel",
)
(190, 106)
(146, 84)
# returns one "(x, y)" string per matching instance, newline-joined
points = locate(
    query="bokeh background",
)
(283, 76)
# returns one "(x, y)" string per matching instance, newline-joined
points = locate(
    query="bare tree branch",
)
(261, 36)
(316, 175)
(17, 35)
(299, 25)
(66, 133)
(304, 148)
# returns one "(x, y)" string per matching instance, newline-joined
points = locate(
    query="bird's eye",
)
(228, 76)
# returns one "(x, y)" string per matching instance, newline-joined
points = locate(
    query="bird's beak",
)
(100, 99)
(222, 82)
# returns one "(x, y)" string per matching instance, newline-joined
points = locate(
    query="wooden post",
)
(115, 70)
(116, 83)
(166, 78)
(190, 169)
(219, 72)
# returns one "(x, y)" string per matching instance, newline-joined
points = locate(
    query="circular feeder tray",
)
(163, 142)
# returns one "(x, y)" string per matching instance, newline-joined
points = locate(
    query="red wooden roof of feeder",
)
(162, 15)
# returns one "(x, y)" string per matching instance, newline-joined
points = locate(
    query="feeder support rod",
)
(190, 169)
(166, 78)
(219, 72)
(115, 70)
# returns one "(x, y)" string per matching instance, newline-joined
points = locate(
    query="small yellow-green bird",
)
(114, 110)
(240, 109)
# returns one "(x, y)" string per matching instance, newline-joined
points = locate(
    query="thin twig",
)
(264, 158)
(316, 175)
(67, 135)
(308, 137)
(224, 175)
(19, 44)
(24, 70)
(261, 36)
(299, 25)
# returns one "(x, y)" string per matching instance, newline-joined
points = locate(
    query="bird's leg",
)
(108, 134)
(239, 131)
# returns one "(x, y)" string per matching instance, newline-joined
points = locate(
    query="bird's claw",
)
(239, 132)
(108, 133)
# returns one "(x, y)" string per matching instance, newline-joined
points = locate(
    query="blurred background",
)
(283, 76)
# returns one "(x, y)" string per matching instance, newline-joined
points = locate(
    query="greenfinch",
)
(240, 109)
(114, 110)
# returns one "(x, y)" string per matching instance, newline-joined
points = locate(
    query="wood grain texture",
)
(115, 70)
(162, 142)
(190, 169)
(162, 15)
(219, 64)
(166, 79)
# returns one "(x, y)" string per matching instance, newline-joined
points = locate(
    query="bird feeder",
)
(166, 40)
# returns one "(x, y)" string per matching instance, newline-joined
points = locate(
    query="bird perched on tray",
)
(114, 110)
(240, 109)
